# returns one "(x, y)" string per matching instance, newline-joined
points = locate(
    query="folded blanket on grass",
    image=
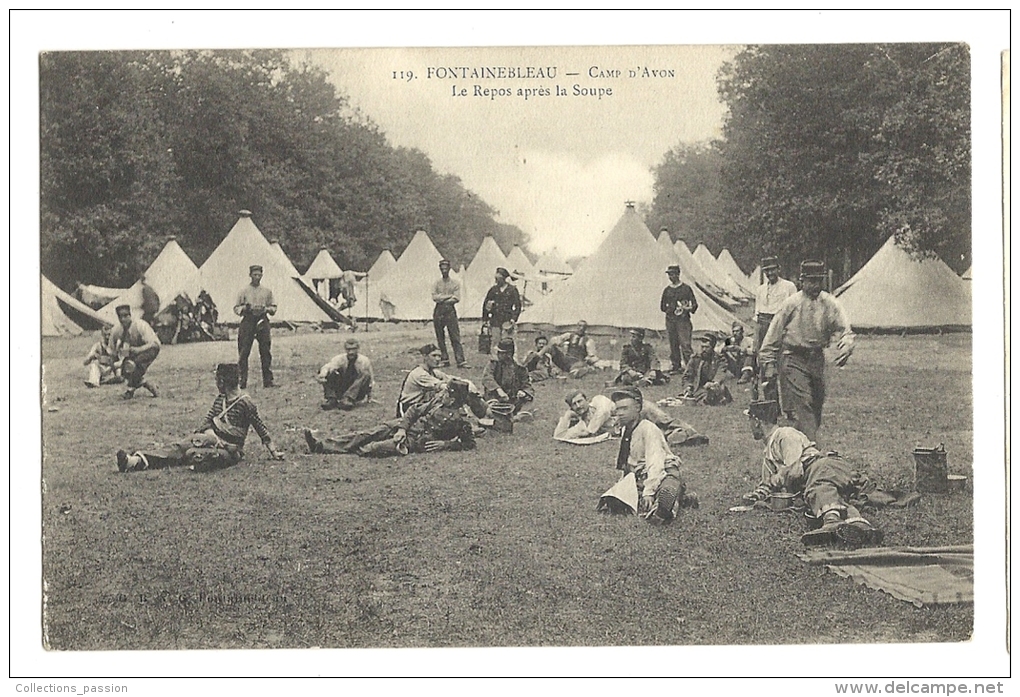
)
(586, 440)
(920, 575)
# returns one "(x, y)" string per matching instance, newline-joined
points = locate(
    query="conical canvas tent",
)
(968, 275)
(693, 273)
(172, 272)
(620, 285)
(225, 273)
(480, 276)
(552, 263)
(894, 291)
(518, 263)
(63, 315)
(322, 269)
(666, 244)
(717, 275)
(382, 266)
(756, 277)
(407, 288)
(288, 264)
(727, 263)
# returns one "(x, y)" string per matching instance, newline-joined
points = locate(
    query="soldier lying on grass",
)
(437, 424)
(793, 464)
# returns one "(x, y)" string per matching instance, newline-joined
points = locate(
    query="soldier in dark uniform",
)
(506, 382)
(678, 304)
(439, 423)
(638, 363)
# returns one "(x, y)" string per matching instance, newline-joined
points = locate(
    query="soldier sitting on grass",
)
(645, 453)
(218, 442)
(793, 464)
(437, 424)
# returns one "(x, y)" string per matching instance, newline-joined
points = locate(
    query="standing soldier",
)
(255, 305)
(769, 296)
(446, 295)
(678, 304)
(501, 308)
(802, 328)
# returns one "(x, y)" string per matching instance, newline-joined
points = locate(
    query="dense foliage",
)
(140, 146)
(828, 150)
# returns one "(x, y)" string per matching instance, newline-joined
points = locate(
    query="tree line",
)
(140, 146)
(826, 152)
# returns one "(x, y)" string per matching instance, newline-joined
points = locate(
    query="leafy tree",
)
(140, 146)
(827, 151)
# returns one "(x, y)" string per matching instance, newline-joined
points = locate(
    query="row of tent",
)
(617, 286)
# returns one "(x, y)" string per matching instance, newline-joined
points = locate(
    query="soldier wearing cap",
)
(505, 382)
(738, 353)
(255, 305)
(501, 308)
(678, 304)
(346, 379)
(638, 363)
(699, 378)
(645, 453)
(574, 352)
(769, 296)
(793, 464)
(446, 294)
(219, 440)
(794, 347)
(136, 346)
(436, 424)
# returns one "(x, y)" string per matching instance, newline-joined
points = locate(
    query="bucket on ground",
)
(931, 470)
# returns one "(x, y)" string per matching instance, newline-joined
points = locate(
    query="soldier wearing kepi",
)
(501, 308)
(446, 294)
(255, 305)
(769, 296)
(645, 453)
(794, 347)
(678, 304)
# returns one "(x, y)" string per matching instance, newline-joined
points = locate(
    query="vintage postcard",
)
(660, 345)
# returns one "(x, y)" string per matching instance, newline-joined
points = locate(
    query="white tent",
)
(719, 276)
(621, 284)
(692, 272)
(518, 263)
(288, 264)
(480, 276)
(225, 273)
(172, 272)
(63, 315)
(322, 269)
(405, 292)
(895, 291)
(552, 263)
(756, 278)
(382, 266)
(728, 264)
(968, 275)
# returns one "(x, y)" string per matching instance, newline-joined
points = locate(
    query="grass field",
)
(499, 547)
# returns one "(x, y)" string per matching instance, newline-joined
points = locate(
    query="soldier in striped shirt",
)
(218, 442)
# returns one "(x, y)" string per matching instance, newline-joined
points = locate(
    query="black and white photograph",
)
(688, 349)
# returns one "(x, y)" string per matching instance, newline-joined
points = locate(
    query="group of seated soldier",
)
(436, 412)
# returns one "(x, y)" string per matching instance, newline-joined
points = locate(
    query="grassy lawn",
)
(499, 547)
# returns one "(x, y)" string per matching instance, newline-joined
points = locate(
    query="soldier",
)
(136, 346)
(446, 294)
(805, 324)
(638, 363)
(678, 304)
(346, 379)
(793, 464)
(255, 305)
